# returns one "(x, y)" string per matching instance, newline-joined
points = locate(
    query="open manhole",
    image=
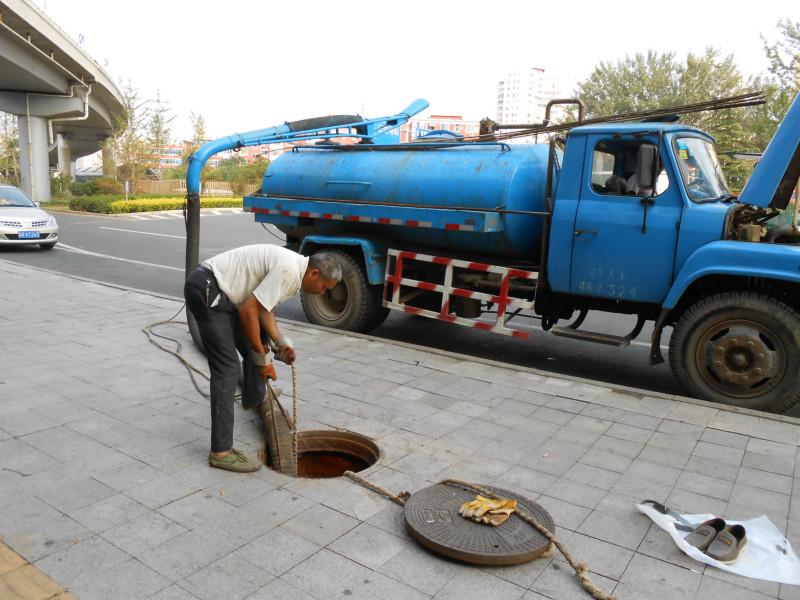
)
(330, 453)
(320, 453)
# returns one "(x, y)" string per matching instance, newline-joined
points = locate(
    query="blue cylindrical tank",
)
(511, 177)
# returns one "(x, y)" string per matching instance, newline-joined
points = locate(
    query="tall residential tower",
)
(524, 93)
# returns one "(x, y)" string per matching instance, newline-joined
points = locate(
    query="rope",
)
(397, 499)
(148, 331)
(295, 426)
(581, 569)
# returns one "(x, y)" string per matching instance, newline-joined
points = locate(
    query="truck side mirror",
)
(646, 171)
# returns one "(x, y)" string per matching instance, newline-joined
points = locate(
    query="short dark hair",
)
(329, 268)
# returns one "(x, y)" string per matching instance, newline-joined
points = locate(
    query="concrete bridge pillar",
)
(34, 161)
(66, 166)
(33, 113)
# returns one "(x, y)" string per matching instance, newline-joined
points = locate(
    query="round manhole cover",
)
(432, 519)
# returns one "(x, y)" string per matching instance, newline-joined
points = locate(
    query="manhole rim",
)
(372, 455)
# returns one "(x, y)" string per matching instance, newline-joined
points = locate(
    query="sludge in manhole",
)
(327, 464)
(320, 453)
(323, 453)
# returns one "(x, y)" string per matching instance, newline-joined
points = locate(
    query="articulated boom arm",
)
(333, 126)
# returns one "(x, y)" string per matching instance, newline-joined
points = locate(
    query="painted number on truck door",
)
(607, 282)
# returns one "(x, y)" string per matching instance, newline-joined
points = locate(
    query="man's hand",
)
(268, 372)
(287, 355)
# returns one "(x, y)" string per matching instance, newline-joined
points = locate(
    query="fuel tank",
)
(508, 177)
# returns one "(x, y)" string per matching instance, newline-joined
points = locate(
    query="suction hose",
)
(238, 140)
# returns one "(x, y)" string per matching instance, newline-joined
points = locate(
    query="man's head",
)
(322, 274)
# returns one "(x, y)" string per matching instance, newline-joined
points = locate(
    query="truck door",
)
(616, 254)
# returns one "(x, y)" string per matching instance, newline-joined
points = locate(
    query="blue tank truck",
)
(628, 217)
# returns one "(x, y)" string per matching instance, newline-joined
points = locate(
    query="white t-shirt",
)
(271, 273)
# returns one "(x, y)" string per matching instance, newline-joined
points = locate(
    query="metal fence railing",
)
(171, 187)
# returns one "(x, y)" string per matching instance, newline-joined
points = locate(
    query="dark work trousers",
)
(222, 335)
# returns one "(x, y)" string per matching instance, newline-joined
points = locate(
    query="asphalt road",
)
(146, 251)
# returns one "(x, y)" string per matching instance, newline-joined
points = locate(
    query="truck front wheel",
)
(353, 304)
(739, 348)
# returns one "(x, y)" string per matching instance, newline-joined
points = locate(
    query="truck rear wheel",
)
(739, 348)
(353, 304)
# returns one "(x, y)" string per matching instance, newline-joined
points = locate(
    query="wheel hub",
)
(741, 358)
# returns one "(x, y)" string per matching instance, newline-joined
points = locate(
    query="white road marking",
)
(180, 237)
(68, 248)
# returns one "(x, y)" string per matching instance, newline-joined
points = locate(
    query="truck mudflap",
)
(508, 306)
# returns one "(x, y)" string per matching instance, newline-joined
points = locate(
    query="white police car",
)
(23, 222)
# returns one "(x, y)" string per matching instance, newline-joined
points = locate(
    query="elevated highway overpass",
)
(65, 103)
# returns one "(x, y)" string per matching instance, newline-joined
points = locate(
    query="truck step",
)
(591, 336)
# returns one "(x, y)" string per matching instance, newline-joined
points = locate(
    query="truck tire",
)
(354, 304)
(739, 348)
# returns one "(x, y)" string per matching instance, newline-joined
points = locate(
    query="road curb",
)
(456, 355)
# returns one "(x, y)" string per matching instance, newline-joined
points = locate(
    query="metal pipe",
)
(83, 117)
(30, 145)
(501, 211)
(749, 99)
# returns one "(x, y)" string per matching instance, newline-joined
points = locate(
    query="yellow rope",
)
(295, 426)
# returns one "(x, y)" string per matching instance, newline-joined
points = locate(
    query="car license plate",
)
(28, 235)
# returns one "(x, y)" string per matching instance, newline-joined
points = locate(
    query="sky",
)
(250, 64)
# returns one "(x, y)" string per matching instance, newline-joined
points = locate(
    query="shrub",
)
(150, 204)
(83, 188)
(108, 185)
(99, 204)
(115, 204)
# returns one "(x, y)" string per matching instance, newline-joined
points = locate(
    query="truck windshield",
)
(700, 170)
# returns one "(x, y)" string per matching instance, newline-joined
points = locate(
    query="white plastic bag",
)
(767, 555)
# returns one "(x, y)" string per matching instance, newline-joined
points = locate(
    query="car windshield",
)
(700, 170)
(10, 196)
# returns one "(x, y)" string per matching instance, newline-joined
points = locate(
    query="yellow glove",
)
(488, 511)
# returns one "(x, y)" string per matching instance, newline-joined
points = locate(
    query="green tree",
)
(782, 83)
(128, 147)
(784, 60)
(158, 128)
(198, 124)
(9, 149)
(653, 80)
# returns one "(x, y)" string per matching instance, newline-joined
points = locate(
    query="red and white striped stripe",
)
(503, 300)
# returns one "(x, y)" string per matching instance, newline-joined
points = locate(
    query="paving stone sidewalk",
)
(105, 487)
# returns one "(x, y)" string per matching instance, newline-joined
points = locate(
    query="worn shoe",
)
(235, 461)
(705, 533)
(729, 542)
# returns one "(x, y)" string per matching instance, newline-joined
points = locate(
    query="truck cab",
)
(683, 251)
